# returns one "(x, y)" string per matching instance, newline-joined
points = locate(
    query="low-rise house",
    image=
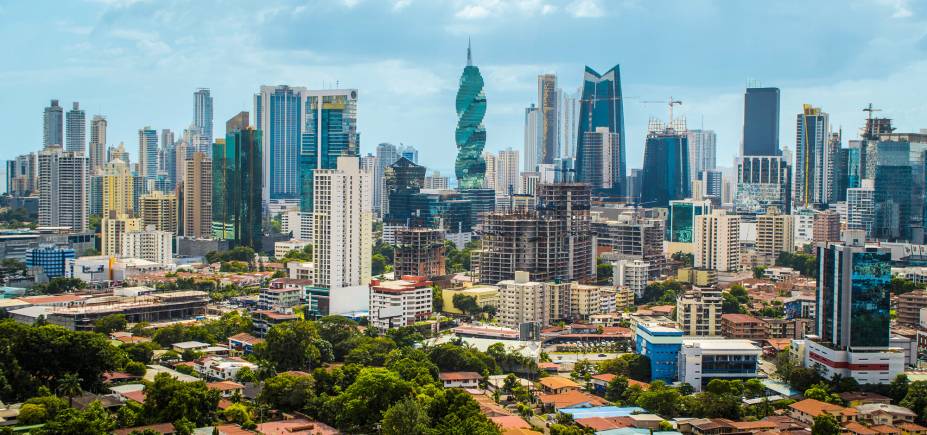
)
(460, 379)
(244, 342)
(263, 320)
(226, 389)
(570, 399)
(224, 368)
(856, 398)
(195, 346)
(912, 429)
(806, 410)
(296, 426)
(558, 385)
(885, 414)
(601, 381)
(497, 383)
(742, 326)
(161, 428)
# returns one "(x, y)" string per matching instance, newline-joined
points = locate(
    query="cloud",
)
(586, 9)
(401, 4)
(149, 42)
(900, 8)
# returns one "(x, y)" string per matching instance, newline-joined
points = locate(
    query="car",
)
(602, 355)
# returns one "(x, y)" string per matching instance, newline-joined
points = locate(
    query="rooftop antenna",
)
(469, 56)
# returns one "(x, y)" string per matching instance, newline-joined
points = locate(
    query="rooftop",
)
(815, 408)
(557, 382)
(459, 376)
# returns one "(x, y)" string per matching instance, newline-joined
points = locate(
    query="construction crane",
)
(869, 126)
(671, 102)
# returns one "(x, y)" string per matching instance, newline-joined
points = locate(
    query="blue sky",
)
(138, 62)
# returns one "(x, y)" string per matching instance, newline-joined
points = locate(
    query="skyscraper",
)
(812, 136)
(279, 115)
(159, 210)
(702, 149)
(76, 122)
(861, 207)
(97, 143)
(202, 112)
(549, 144)
(489, 179)
(387, 154)
(118, 188)
(600, 151)
(237, 164)
(763, 181)
(54, 125)
(761, 122)
(507, 172)
(532, 137)
(601, 106)
(666, 165)
(717, 241)
(63, 189)
(409, 152)
(113, 229)
(470, 134)
(774, 234)
(148, 153)
(568, 114)
(197, 197)
(331, 132)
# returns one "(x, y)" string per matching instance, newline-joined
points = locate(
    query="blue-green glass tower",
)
(601, 106)
(470, 136)
(330, 131)
(237, 184)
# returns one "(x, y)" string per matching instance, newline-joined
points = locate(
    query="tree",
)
(370, 351)
(110, 323)
(454, 412)
(687, 260)
(616, 388)
(729, 304)
(167, 399)
(363, 403)
(294, 345)
(603, 271)
(821, 392)
(141, 352)
(802, 378)
(339, 331)
(916, 399)
(69, 386)
(902, 285)
(450, 357)
(759, 271)
(288, 392)
(412, 365)
(92, 420)
(437, 299)
(237, 413)
(466, 303)
(135, 368)
(62, 285)
(31, 413)
(899, 388)
(825, 424)
(406, 417)
(562, 429)
(245, 374)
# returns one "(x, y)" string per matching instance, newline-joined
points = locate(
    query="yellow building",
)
(114, 227)
(484, 295)
(118, 188)
(697, 277)
(159, 209)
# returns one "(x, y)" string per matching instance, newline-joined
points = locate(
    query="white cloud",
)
(900, 8)
(401, 4)
(586, 9)
(351, 3)
(478, 9)
(150, 43)
(118, 4)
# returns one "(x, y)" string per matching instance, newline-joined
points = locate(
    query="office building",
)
(549, 143)
(681, 223)
(702, 151)
(489, 179)
(762, 182)
(159, 210)
(330, 132)
(402, 181)
(237, 210)
(861, 207)
(114, 228)
(386, 155)
(342, 229)
(197, 197)
(702, 360)
(568, 112)
(852, 324)
(118, 188)
(202, 113)
(53, 125)
(895, 186)
(717, 241)
(761, 122)
(666, 165)
(712, 183)
(601, 105)
(76, 128)
(50, 258)
(600, 152)
(97, 152)
(812, 137)
(532, 137)
(149, 244)
(470, 134)
(774, 234)
(409, 152)
(63, 187)
(908, 307)
(279, 114)
(399, 303)
(419, 252)
(436, 181)
(22, 175)
(660, 344)
(698, 311)
(631, 274)
(148, 153)
(826, 227)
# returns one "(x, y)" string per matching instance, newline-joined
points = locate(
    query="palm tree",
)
(69, 386)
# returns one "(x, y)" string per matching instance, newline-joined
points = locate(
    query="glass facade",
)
(682, 219)
(761, 122)
(470, 135)
(237, 177)
(601, 106)
(729, 365)
(281, 108)
(330, 131)
(50, 258)
(869, 306)
(666, 169)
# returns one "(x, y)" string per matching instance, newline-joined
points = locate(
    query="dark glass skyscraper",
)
(470, 135)
(666, 168)
(330, 131)
(601, 106)
(761, 122)
(237, 184)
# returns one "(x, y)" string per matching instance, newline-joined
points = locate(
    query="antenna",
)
(469, 55)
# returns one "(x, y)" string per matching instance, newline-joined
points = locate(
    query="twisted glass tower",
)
(470, 135)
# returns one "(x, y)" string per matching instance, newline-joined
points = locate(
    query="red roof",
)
(510, 422)
(163, 428)
(297, 426)
(605, 423)
(570, 399)
(224, 386)
(459, 376)
(740, 318)
(136, 396)
(275, 315)
(245, 337)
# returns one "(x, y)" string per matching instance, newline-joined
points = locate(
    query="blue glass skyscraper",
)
(330, 131)
(601, 106)
(761, 122)
(148, 153)
(666, 168)
(278, 113)
(470, 135)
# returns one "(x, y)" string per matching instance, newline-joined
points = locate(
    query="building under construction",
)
(152, 308)
(631, 233)
(419, 252)
(552, 242)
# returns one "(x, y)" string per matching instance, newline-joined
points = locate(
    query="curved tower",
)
(470, 134)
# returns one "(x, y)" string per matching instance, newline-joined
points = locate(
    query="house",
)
(244, 342)
(460, 379)
(497, 383)
(570, 399)
(884, 414)
(220, 367)
(296, 426)
(912, 429)
(558, 385)
(854, 428)
(806, 410)
(226, 388)
(195, 346)
(600, 383)
(265, 319)
(856, 398)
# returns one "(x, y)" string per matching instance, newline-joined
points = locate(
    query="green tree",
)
(110, 323)
(167, 399)
(237, 413)
(69, 386)
(825, 424)
(898, 389)
(616, 388)
(437, 299)
(406, 417)
(821, 392)
(454, 412)
(135, 368)
(245, 374)
(363, 403)
(31, 413)
(90, 421)
(562, 429)
(142, 352)
(288, 392)
(370, 351)
(758, 271)
(294, 345)
(916, 399)
(466, 303)
(339, 331)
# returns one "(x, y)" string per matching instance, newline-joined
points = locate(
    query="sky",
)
(138, 62)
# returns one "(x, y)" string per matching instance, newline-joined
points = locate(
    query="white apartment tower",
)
(76, 129)
(507, 181)
(702, 149)
(532, 137)
(64, 191)
(492, 170)
(717, 241)
(150, 244)
(97, 152)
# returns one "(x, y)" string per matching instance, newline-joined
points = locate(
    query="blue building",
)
(50, 258)
(331, 131)
(661, 345)
(148, 153)
(601, 106)
(761, 122)
(666, 167)
(278, 112)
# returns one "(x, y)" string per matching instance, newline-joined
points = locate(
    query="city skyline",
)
(138, 78)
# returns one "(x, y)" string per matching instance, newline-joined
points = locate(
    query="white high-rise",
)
(63, 180)
(568, 112)
(97, 143)
(491, 175)
(202, 112)
(149, 244)
(532, 137)
(861, 207)
(148, 153)
(507, 180)
(717, 241)
(76, 128)
(436, 181)
(702, 148)
(387, 154)
(342, 225)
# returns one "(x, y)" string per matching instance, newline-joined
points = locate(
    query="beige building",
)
(159, 209)
(118, 188)
(522, 301)
(197, 197)
(114, 227)
(774, 234)
(150, 244)
(483, 295)
(698, 312)
(717, 241)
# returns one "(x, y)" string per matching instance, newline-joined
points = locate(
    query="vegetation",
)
(806, 264)
(238, 253)
(59, 285)
(458, 260)
(661, 293)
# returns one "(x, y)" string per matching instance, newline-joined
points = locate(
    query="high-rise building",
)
(63, 185)
(119, 152)
(202, 112)
(507, 172)
(761, 122)
(548, 104)
(633, 274)
(717, 241)
(852, 321)
(470, 134)
(633, 234)
(666, 165)
(826, 227)
(331, 132)
(342, 245)
(197, 197)
(436, 181)
(894, 183)
(159, 210)
(812, 135)
(490, 176)
(118, 188)
(148, 153)
(702, 149)
(409, 152)
(76, 128)
(532, 137)
(763, 181)
(681, 221)
(22, 175)
(236, 170)
(53, 125)
(97, 152)
(114, 227)
(149, 244)
(387, 154)
(279, 115)
(600, 149)
(568, 112)
(601, 105)
(712, 182)
(403, 180)
(419, 252)
(698, 312)
(774, 234)
(861, 207)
